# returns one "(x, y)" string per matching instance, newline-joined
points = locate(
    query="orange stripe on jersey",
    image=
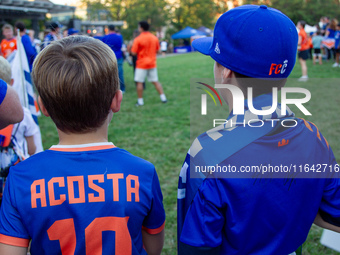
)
(326, 143)
(317, 130)
(91, 148)
(15, 241)
(307, 125)
(154, 231)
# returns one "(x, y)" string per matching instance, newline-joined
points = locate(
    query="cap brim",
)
(203, 45)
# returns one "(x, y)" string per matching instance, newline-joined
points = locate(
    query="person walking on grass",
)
(115, 42)
(303, 48)
(317, 39)
(146, 46)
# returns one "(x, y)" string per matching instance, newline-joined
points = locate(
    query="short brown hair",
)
(76, 78)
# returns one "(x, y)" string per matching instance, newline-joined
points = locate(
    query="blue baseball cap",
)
(256, 41)
(72, 31)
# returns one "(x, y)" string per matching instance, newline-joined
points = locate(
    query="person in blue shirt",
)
(317, 40)
(115, 42)
(53, 35)
(337, 46)
(238, 192)
(30, 51)
(330, 34)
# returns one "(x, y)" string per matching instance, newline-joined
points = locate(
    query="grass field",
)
(160, 133)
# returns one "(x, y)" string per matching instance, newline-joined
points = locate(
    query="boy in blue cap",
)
(239, 213)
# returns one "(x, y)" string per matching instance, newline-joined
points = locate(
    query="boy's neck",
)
(98, 136)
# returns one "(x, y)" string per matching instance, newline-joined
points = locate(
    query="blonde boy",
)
(84, 195)
(9, 43)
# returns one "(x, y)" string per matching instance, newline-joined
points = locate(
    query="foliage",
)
(130, 11)
(194, 13)
(309, 10)
(158, 13)
(153, 11)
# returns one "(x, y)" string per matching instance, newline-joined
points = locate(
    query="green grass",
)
(160, 133)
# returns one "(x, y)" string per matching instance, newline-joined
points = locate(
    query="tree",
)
(309, 10)
(130, 11)
(152, 11)
(194, 13)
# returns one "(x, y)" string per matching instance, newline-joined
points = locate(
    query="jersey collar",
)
(83, 147)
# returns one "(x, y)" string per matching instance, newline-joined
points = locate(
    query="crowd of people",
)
(21, 140)
(142, 51)
(87, 196)
(319, 45)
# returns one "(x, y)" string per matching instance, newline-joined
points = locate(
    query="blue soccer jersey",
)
(3, 90)
(260, 214)
(89, 199)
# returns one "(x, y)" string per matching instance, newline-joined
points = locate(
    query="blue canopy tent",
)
(206, 30)
(186, 33)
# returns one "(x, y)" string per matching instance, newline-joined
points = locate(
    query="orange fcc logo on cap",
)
(278, 68)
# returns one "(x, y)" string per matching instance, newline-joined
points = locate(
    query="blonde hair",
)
(5, 70)
(76, 78)
(7, 26)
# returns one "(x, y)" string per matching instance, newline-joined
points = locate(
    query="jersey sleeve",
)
(204, 220)
(155, 220)
(3, 90)
(12, 230)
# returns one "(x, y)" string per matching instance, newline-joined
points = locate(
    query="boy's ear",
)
(117, 101)
(227, 73)
(42, 107)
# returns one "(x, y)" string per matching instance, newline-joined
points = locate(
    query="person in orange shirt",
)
(303, 48)
(146, 46)
(9, 44)
(310, 42)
